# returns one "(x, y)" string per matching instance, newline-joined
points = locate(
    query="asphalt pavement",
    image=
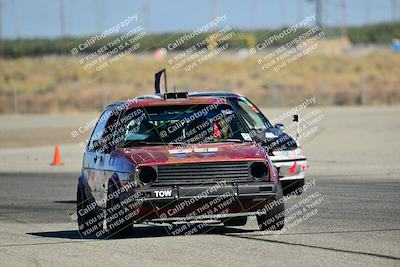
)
(356, 223)
(349, 215)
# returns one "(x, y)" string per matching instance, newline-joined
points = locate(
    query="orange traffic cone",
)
(57, 157)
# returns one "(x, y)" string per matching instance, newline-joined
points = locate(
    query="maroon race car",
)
(171, 160)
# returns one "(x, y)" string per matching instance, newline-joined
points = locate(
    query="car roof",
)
(215, 94)
(197, 94)
(157, 100)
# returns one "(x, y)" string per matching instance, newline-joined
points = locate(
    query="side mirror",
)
(280, 126)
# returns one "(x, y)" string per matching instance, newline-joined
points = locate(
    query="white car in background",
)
(284, 151)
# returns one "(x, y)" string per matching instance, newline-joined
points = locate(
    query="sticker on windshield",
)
(196, 150)
(179, 151)
(227, 111)
(246, 137)
(270, 135)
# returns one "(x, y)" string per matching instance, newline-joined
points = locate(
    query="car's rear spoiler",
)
(167, 96)
(157, 81)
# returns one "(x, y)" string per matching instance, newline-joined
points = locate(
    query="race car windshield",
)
(181, 124)
(254, 119)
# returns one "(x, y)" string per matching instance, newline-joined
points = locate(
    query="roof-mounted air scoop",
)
(176, 96)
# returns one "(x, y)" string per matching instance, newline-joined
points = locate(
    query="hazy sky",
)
(41, 18)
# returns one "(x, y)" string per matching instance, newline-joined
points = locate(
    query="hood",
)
(160, 155)
(275, 139)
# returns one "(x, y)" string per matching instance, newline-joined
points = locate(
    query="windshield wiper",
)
(231, 140)
(226, 140)
(141, 143)
(146, 143)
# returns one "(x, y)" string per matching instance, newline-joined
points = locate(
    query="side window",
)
(97, 141)
(128, 125)
(111, 131)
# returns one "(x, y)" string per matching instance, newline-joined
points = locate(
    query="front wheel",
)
(90, 218)
(274, 218)
(116, 214)
(290, 186)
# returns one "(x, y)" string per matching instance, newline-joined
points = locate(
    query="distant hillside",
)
(59, 84)
(382, 33)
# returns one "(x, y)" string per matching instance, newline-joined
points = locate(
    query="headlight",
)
(298, 151)
(277, 153)
(147, 174)
(259, 170)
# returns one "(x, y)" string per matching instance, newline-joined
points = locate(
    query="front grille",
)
(198, 173)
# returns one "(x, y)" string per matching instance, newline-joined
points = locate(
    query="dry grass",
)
(59, 84)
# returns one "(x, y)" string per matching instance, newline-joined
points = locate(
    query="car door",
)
(93, 159)
(108, 169)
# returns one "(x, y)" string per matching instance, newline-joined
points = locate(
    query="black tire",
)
(299, 183)
(291, 186)
(89, 223)
(235, 221)
(274, 218)
(115, 230)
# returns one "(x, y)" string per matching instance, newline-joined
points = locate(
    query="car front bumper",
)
(198, 202)
(290, 168)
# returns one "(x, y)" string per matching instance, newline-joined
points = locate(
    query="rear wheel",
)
(235, 221)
